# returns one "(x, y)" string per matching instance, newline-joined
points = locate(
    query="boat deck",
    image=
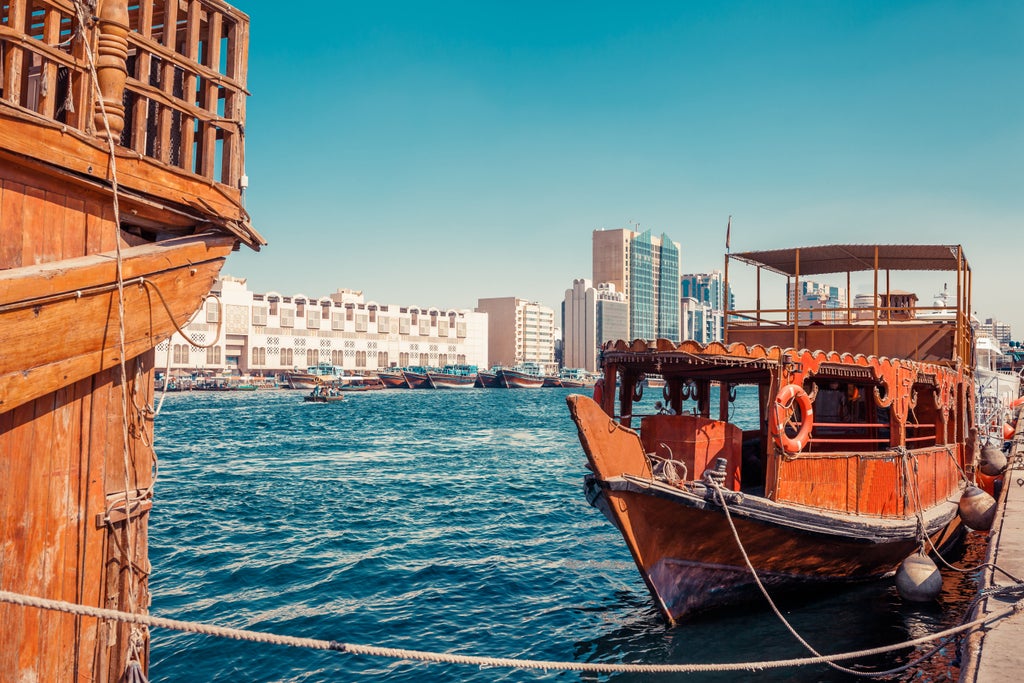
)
(992, 654)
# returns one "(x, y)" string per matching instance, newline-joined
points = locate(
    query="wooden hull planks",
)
(76, 300)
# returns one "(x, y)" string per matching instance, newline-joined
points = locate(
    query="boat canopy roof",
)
(846, 258)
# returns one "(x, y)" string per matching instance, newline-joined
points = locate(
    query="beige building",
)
(591, 316)
(519, 332)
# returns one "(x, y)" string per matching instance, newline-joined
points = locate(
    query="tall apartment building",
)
(591, 316)
(269, 333)
(703, 306)
(519, 332)
(818, 302)
(646, 270)
(999, 330)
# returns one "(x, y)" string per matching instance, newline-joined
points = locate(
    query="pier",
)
(992, 654)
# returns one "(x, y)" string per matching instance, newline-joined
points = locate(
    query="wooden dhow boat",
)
(121, 176)
(862, 444)
(519, 378)
(453, 377)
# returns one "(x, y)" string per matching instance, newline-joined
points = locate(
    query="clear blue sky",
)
(436, 153)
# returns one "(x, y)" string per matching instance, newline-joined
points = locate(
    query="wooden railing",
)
(171, 75)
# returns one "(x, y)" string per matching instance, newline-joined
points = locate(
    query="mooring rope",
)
(472, 660)
(830, 661)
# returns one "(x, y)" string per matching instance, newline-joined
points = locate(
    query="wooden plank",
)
(51, 242)
(189, 84)
(74, 228)
(33, 215)
(51, 36)
(167, 80)
(140, 116)
(46, 486)
(36, 370)
(72, 275)
(98, 227)
(14, 55)
(11, 462)
(70, 422)
(27, 576)
(211, 94)
(91, 499)
(68, 149)
(12, 203)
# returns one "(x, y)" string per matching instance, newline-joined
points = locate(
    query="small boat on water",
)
(520, 377)
(321, 373)
(358, 383)
(453, 377)
(393, 379)
(416, 377)
(862, 445)
(553, 381)
(323, 396)
(487, 380)
(575, 378)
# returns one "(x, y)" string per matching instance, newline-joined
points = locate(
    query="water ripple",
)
(444, 521)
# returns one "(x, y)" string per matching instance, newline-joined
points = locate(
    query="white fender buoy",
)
(918, 579)
(993, 460)
(977, 509)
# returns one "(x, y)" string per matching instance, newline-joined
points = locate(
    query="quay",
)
(991, 654)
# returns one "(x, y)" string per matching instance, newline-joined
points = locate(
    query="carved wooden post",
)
(111, 64)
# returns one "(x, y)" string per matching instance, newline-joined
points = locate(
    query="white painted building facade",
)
(270, 333)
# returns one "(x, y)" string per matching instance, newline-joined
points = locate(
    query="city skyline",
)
(457, 151)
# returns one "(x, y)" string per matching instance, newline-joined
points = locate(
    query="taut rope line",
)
(506, 662)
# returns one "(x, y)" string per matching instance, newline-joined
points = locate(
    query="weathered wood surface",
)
(69, 470)
(52, 301)
(66, 453)
(176, 148)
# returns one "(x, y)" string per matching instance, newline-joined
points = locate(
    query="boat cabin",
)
(837, 398)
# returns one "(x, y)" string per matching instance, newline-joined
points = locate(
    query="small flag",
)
(728, 229)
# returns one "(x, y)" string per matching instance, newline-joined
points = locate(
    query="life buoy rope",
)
(781, 409)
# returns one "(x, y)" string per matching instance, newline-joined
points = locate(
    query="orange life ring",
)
(780, 411)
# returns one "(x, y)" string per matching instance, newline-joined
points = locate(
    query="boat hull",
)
(417, 380)
(393, 380)
(704, 568)
(487, 380)
(513, 379)
(323, 399)
(82, 521)
(685, 548)
(441, 380)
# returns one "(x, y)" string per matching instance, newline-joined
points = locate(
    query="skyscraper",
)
(704, 305)
(591, 316)
(646, 269)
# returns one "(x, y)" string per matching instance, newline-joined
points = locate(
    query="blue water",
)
(449, 521)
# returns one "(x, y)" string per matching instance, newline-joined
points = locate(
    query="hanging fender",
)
(780, 409)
